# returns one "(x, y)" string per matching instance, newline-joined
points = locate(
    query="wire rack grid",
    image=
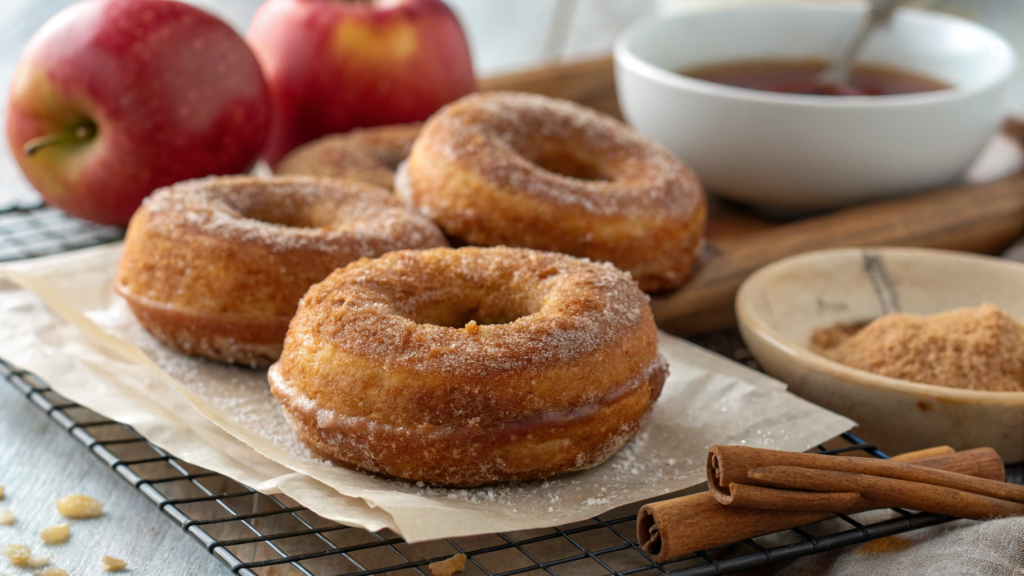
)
(256, 534)
(252, 532)
(28, 232)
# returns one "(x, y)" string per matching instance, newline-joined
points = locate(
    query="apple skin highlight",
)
(334, 65)
(170, 92)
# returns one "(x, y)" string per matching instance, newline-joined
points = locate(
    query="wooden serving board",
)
(982, 218)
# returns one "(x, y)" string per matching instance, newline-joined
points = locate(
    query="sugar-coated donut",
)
(470, 366)
(501, 168)
(216, 267)
(365, 154)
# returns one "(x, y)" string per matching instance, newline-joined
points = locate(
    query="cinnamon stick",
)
(925, 453)
(677, 527)
(776, 498)
(872, 491)
(978, 462)
(729, 465)
(674, 528)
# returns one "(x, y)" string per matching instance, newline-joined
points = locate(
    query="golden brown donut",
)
(365, 154)
(216, 267)
(503, 168)
(470, 366)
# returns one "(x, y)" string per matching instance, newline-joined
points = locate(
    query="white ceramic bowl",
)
(807, 152)
(781, 305)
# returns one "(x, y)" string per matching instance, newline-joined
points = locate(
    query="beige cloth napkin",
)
(961, 548)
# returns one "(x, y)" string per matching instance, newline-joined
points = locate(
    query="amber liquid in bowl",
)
(799, 77)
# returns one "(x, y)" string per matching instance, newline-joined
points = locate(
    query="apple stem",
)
(81, 133)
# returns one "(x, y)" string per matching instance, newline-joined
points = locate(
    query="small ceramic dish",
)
(804, 152)
(780, 306)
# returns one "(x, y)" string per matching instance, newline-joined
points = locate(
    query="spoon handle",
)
(838, 72)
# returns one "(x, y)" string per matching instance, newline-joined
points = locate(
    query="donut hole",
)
(564, 162)
(292, 213)
(295, 203)
(484, 310)
(291, 218)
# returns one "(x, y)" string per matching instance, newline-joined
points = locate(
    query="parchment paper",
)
(100, 349)
(74, 365)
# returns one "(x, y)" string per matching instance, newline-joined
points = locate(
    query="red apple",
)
(334, 65)
(114, 98)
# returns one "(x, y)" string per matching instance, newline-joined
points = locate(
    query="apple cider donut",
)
(470, 366)
(365, 154)
(503, 168)
(216, 267)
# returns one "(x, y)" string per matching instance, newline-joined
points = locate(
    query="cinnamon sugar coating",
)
(503, 168)
(470, 366)
(364, 154)
(978, 348)
(216, 267)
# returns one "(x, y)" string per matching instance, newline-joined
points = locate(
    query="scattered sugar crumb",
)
(111, 564)
(6, 517)
(37, 561)
(79, 506)
(51, 571)
(448, 567)
(55, 534)
(17, 554)
(1, 492)
(597, 502)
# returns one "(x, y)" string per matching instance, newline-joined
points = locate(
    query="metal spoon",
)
(838, 72)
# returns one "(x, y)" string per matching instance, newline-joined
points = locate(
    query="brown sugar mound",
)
(973, 348)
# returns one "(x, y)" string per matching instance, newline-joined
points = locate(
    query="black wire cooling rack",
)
(254, 533)
(41, 230)
(270, 535)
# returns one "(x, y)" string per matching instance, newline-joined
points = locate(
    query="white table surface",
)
(40, 462)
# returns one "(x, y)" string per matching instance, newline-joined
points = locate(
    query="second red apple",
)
(334, 65)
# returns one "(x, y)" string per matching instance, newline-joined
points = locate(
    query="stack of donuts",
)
(527, 352)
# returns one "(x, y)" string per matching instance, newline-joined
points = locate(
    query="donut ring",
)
(365, 154)
(527, 170)
(470, 366)
(216, 267)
